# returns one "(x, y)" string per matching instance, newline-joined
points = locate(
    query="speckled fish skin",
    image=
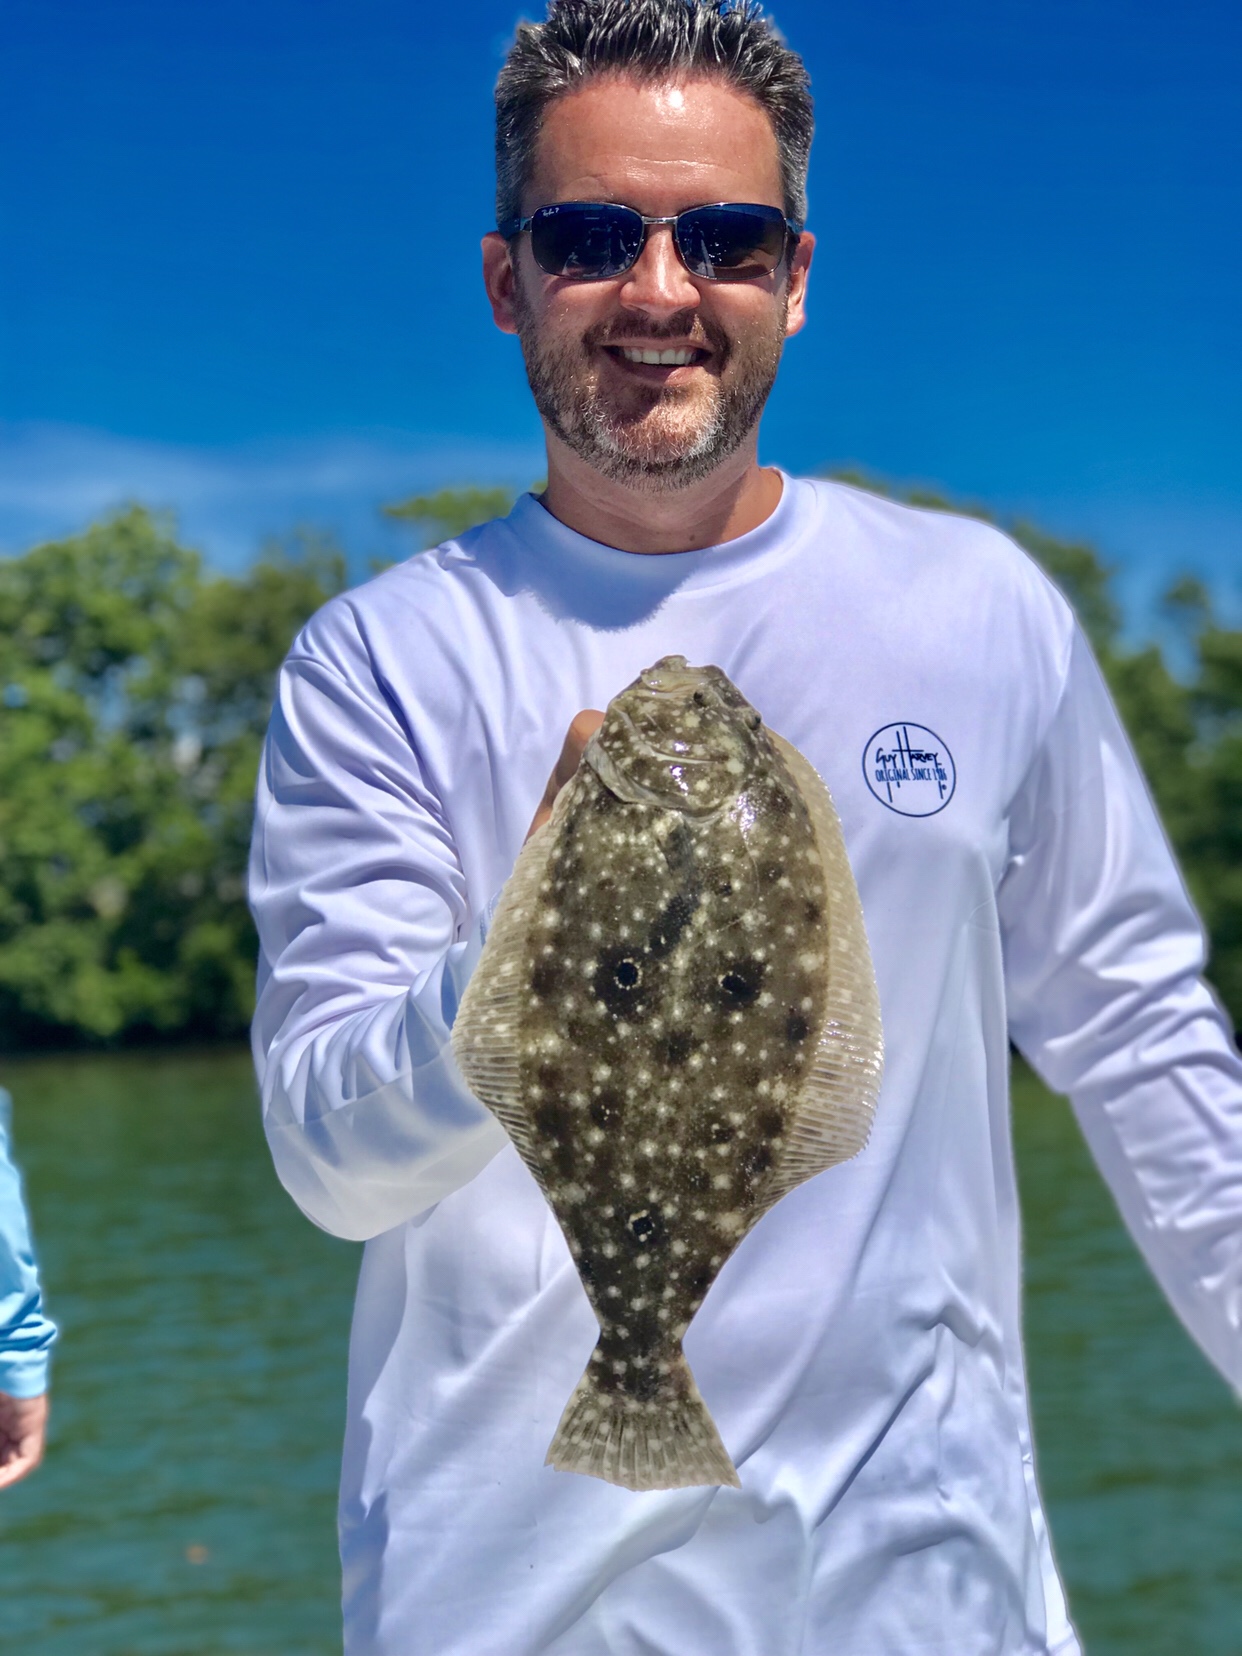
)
(648, 1027)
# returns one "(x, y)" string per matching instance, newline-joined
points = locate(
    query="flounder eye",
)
(627, 973)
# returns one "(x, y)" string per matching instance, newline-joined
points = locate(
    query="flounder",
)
(675, 1018)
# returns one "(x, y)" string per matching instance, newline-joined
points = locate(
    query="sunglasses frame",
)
(512, 228)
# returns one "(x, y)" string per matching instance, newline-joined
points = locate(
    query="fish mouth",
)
(667, 740)
(670, 781)
(626, 785)
(673, 676)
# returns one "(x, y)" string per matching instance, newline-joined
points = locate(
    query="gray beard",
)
(621, 449)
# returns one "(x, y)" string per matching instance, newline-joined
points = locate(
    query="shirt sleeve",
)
(362, 915)
(26, 1334)
(1103, 955)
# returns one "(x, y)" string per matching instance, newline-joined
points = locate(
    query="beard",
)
(651, 437)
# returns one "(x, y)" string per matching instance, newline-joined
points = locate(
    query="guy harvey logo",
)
(910, 769)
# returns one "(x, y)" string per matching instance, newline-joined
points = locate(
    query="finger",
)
(581, 729)
(28, 1456)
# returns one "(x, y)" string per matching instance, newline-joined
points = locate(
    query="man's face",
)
(659, 149)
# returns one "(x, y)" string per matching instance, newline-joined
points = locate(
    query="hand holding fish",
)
(581, 729)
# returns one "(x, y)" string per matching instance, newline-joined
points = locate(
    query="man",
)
(26, 1334)
(861, 1351)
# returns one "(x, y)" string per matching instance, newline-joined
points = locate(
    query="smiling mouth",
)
(683, 356)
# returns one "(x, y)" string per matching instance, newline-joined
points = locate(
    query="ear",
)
(499, 278)
(799, 271)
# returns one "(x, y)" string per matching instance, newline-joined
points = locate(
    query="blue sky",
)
(238, 264)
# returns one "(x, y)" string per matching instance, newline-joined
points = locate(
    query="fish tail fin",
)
(671, 1443)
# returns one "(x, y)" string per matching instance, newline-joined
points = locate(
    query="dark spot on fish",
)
(581, 1032)
(696, 1177)
(721, 1133)
(739, 986)
(676, 916)
(756, 1162)
(770, 872)
(644, 1225)
(543, 978)
(646, 1384)
(558, 1154)
(723, 888)
(645, 1229)
(618, 982)
(678, 848)
(796, 1028)
(646, 1334)
(771, 1124)
(605, 1108)
(813, 912)
(680, 1044)
(699, 1279)
(552, 1118)
(549, 1077)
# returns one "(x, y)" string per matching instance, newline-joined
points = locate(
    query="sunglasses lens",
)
(732, 243)
(585, 241)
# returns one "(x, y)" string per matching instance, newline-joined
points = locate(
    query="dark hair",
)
(730, 40)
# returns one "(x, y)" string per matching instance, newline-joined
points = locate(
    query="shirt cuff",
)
(24, 1374)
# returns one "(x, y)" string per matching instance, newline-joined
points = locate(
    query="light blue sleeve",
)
(26, 1334)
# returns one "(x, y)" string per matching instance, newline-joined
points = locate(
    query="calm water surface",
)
(187, 1504)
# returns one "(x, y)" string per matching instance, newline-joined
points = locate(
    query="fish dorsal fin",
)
(836, 1103)
(485, 1031)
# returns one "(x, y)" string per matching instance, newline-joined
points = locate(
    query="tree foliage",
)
(450, 512)
(135, 689)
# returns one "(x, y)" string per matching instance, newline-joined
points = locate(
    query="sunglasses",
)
(589, 241)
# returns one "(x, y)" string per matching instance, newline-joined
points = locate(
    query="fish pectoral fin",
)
(831, 1118)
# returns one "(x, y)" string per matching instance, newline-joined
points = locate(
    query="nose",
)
(658, 284)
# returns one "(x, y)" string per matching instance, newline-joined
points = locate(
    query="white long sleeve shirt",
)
(861, 1352)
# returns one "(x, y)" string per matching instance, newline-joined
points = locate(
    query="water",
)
(186, 1507)
(1139, 1441)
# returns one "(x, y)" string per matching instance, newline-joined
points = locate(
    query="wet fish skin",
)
(650, 1027)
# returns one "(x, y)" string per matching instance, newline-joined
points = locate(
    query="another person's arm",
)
(1103, 958)
(26, 1334)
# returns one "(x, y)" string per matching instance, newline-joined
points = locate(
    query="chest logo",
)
(909, 769)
